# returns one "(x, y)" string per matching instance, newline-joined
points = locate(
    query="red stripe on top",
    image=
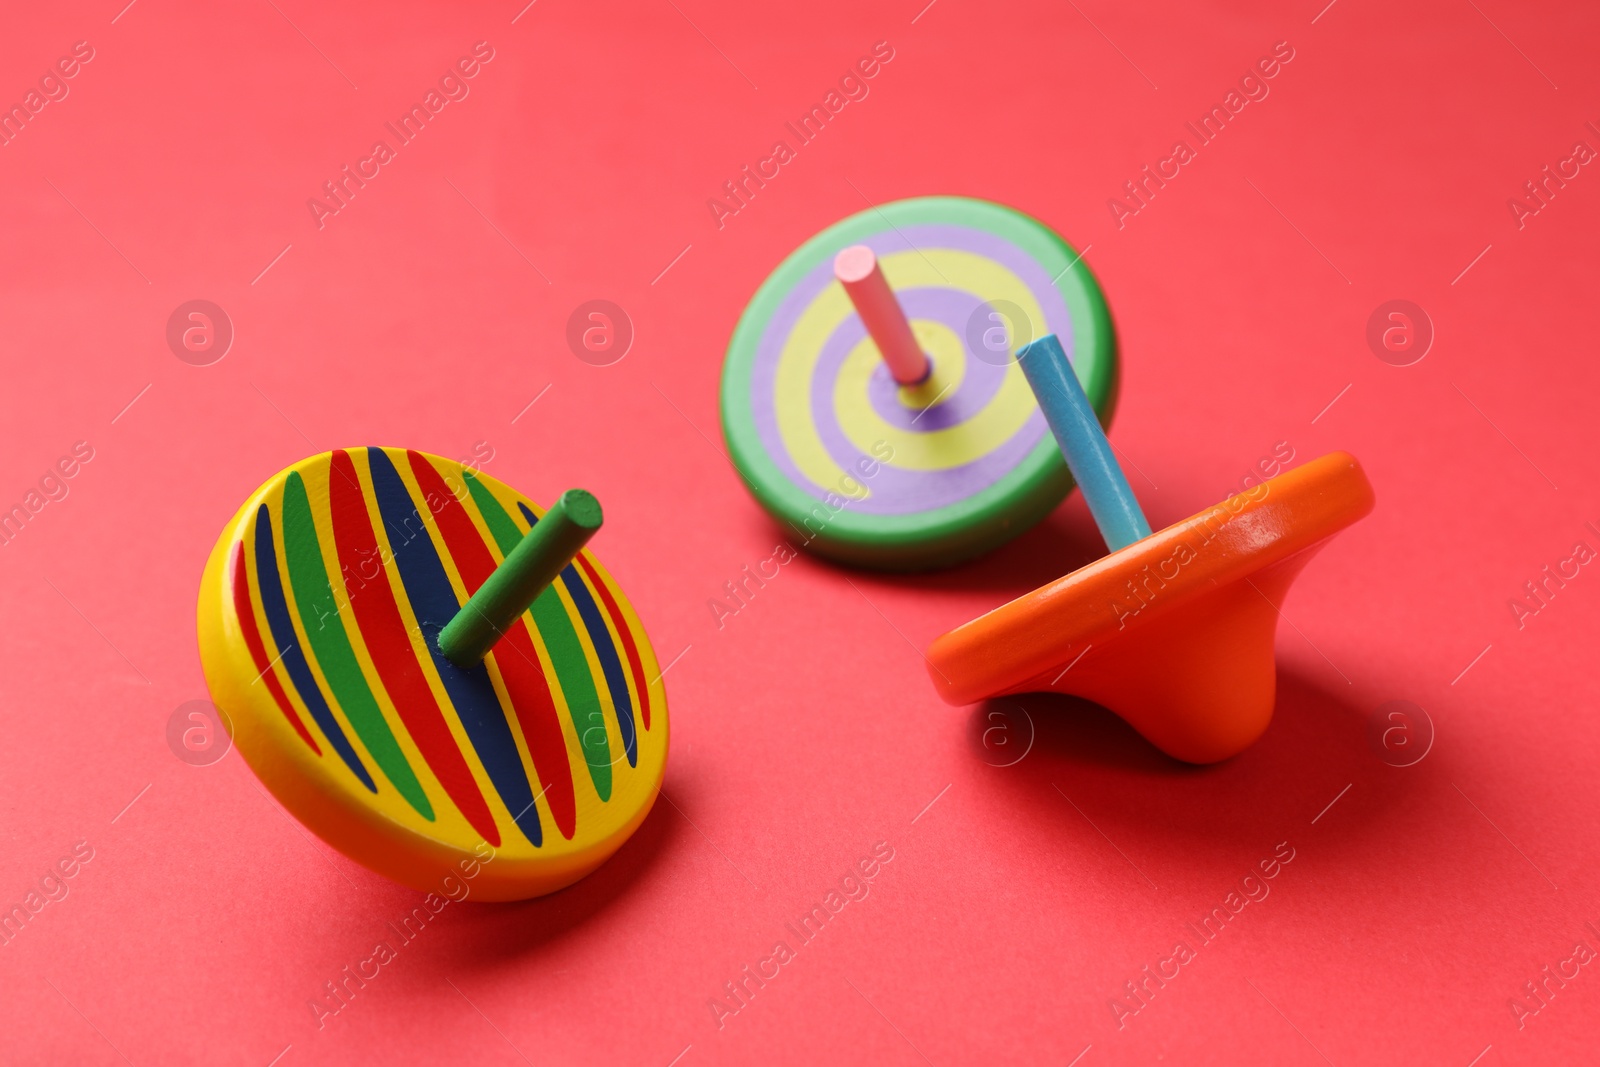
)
(635, 664)
(388, 643)
(519, 665)
(244, 607)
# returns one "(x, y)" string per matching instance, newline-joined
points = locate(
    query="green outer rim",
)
(969, 527)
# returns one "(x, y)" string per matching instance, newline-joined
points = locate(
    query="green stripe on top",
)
(561, 640)
(319, 614)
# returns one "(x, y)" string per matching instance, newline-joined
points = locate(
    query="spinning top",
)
(1173, 631)
(408, 725)
(869, 398)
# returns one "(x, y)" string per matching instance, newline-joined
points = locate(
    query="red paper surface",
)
(433, 308)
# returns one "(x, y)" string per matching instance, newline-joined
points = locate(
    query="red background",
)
(430, 311)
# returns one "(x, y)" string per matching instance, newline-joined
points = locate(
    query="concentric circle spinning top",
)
(408, 725)
(869, 398)
(1173, 631)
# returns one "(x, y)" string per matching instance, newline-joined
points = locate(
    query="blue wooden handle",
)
(1077, 430)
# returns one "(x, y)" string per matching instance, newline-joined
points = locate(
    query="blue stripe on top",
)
(605, 648)
(276, 609)
(433, 601)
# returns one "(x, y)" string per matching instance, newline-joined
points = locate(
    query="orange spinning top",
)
(1173, 632)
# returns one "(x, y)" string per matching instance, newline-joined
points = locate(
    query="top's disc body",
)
(863, 470)
(319, 614)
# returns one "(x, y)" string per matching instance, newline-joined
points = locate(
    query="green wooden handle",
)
(527, 571)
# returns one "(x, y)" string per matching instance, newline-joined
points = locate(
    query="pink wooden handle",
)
(858, 271)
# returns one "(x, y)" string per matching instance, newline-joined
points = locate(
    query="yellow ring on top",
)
(989, 428)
